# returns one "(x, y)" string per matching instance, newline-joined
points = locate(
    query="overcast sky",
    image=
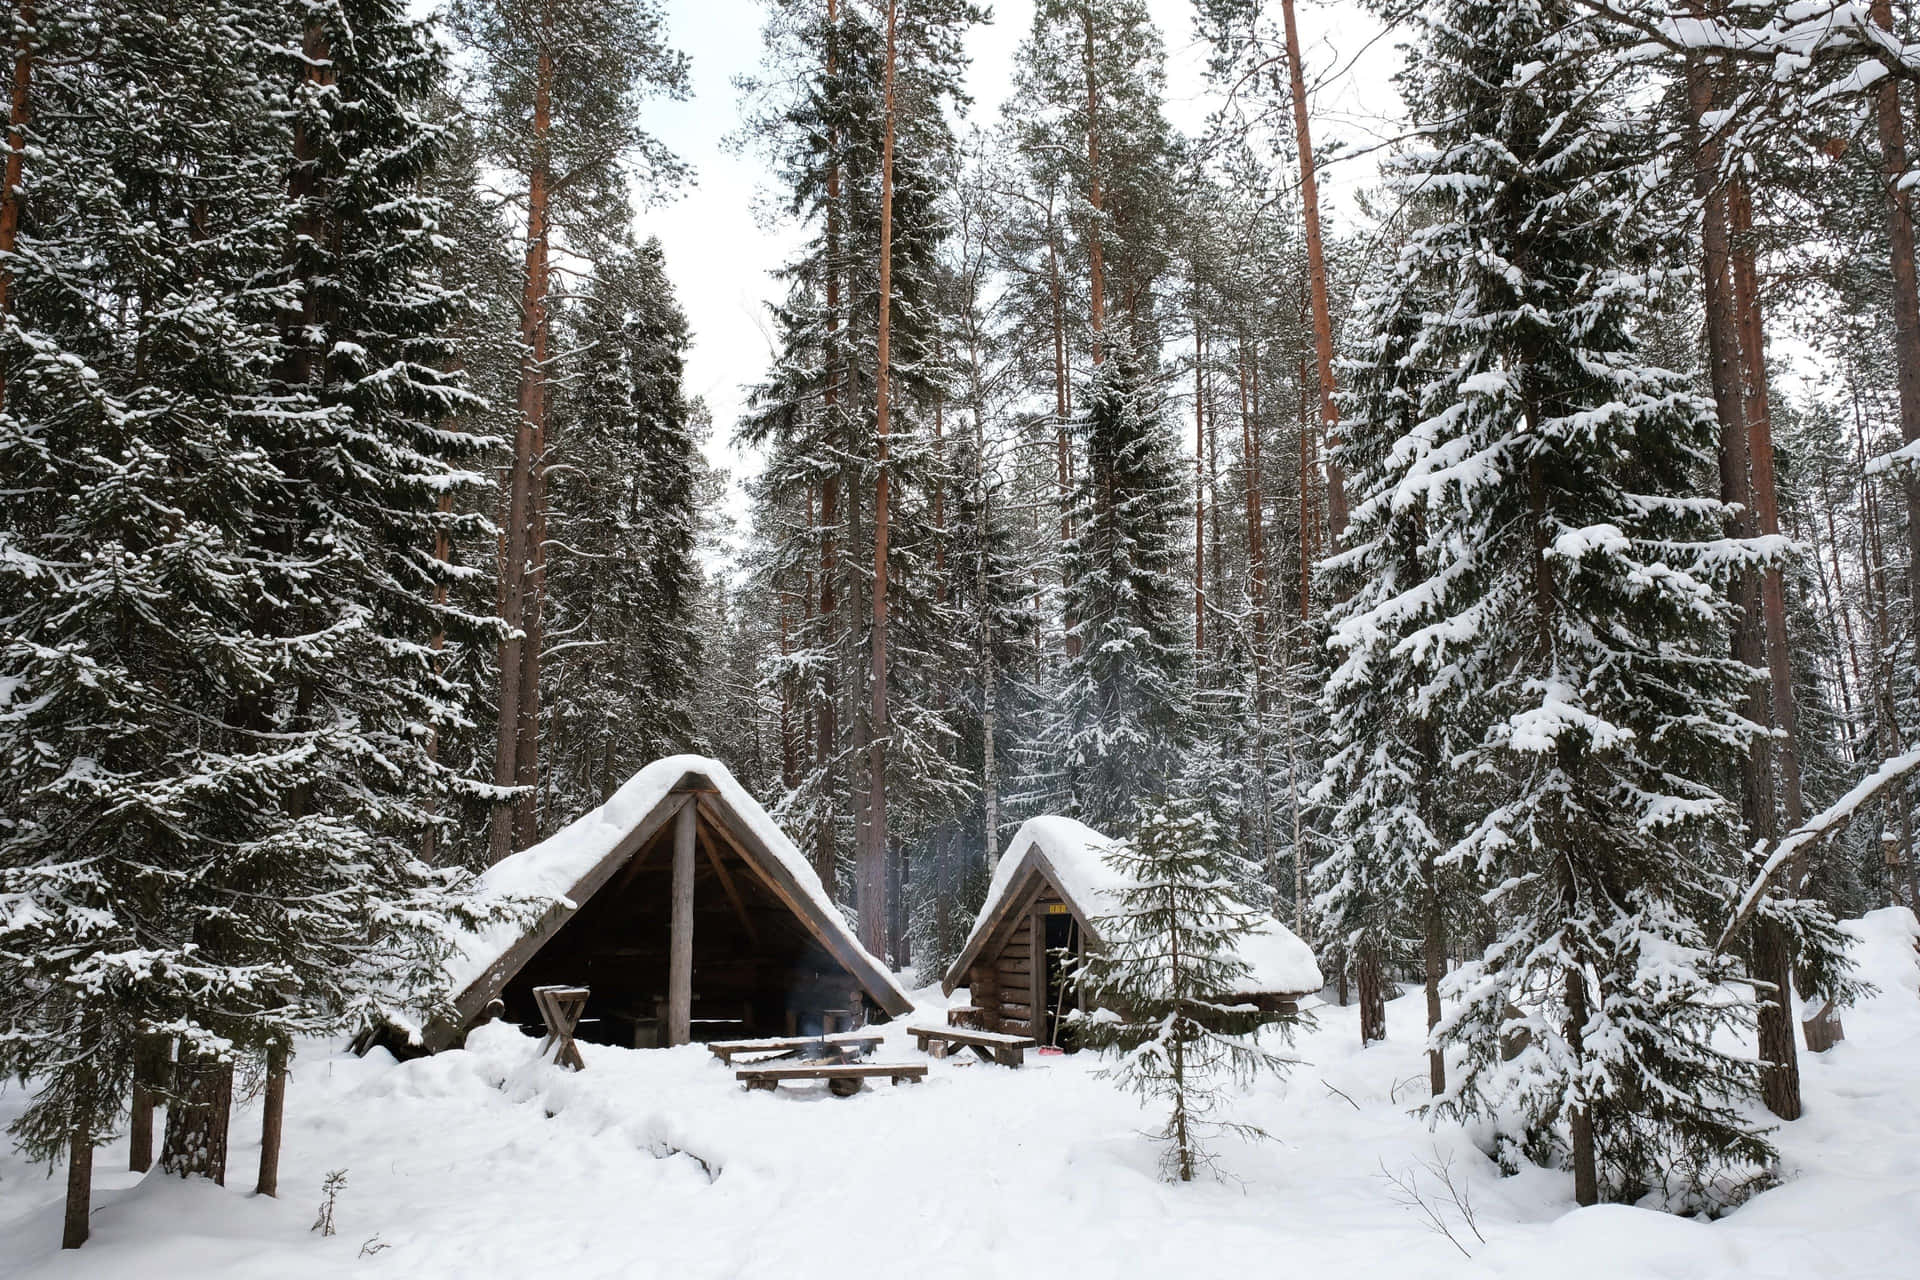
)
(719, 254)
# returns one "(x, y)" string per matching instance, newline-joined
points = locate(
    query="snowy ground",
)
(485, 1163)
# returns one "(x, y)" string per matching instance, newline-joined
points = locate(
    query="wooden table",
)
(843, 1044)
(843, 1078)
(994, 1046)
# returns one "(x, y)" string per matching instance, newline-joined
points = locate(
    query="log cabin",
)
(1044, 908)
(686, 912)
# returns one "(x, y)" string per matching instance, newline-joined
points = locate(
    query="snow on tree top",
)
(1074, 856)
(550, 869)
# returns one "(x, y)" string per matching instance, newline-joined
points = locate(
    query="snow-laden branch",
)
(1823, 824)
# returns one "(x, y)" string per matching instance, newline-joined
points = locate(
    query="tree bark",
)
(1755, 403)
(1371, 984)
(826, 719)
(197, 1119)
(507, 824)
(1906, 300)
(1316, 272)
(77, 1228)
(1586, 1166)
(1434, 939)
(272, 1115)
(1199, 491)
(15, 170)
(1781, 1072)
(874, 905)
(151, 1059)
(1096, 268)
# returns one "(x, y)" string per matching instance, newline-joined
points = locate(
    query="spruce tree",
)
(558, 91)
(1163, 988)
(1382, 889)
(219, 559)
(1119, 713)
(1578, 614)
(623, 581)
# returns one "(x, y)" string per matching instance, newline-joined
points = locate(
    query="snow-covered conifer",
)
(1163, 989)
(622, 577)
(1119, 715)
(1568, 602)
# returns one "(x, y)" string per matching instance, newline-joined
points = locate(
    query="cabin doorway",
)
(1063, 954)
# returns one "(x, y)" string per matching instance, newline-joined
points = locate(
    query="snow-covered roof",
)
(1074, 857)
(568, 862)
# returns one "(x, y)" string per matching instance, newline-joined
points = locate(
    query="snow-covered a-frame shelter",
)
(1047, 896)
(681, 858)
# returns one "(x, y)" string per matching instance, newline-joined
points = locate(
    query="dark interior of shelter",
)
(757, 971)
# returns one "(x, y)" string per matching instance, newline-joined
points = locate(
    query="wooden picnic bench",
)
(992, 1046)
(843, 1078)
(844, 1044)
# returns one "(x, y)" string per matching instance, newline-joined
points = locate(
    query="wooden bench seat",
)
(992, 1046)
(856, 1043)
(843, 1078)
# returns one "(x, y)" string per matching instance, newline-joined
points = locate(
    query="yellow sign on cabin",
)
(1056, 908)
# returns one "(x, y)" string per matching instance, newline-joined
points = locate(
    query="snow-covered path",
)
(486, 1164)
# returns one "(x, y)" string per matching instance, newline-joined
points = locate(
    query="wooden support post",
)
(1037, 976)
(680, 954)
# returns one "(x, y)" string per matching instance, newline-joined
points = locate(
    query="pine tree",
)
(1578, 613)
(817, 417)
(1163, 988)
(559, 89)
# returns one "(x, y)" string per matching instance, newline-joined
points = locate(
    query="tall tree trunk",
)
(1770, 956)
(874, 912)
(1257, 591)
(1316, 272)
(1309, 515)
(530, 412)
(1906, 300)
(1199, 491)
(14, 173)
(826, 718)
(1433, 914)
(1062, 408)
(526, 817)
(1586, 1165)
(1751, 327)
(152, 1058)
(982, 585)
(198, 1118)
(1096, 269)
(272, 1113)
(79, 1207)
(1371, 984)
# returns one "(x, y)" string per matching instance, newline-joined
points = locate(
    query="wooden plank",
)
(1037, 976)
(865, 1041)
(733, 892)
(960, 1035)
(680, 959)
(834, 1071)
